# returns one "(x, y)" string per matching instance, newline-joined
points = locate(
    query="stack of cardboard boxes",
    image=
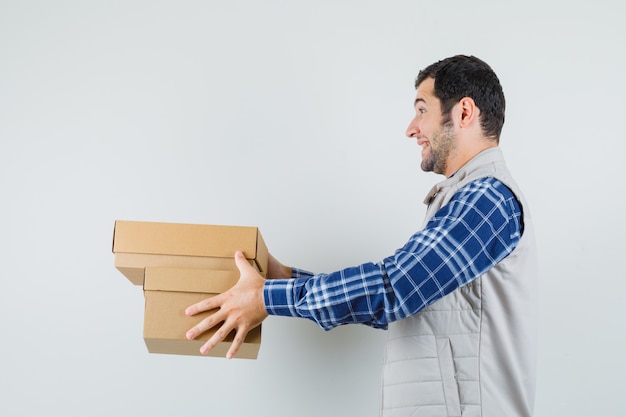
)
(179, 265)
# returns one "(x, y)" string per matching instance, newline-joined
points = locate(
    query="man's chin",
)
(427, 166)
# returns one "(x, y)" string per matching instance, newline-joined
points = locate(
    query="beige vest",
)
(471, 353)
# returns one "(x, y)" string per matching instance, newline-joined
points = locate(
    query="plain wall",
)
(289, 116)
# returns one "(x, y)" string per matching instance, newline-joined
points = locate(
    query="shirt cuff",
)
(300, 273)
(278, 297)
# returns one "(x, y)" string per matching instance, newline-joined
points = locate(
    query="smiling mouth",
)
(425, 145)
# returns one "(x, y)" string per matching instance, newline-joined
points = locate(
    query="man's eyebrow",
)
(418, 100)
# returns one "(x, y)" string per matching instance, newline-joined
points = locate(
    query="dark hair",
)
(467, 76)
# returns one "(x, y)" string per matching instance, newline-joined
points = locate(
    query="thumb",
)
(242, 263)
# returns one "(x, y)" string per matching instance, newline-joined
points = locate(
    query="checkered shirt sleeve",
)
(478, 228)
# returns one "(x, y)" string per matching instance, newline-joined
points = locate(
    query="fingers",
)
(237, 342)
(220, 335)
(217, 338)
(204, 305)
(206, 324)
(226, 327)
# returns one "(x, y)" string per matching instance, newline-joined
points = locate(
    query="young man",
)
(457, 298)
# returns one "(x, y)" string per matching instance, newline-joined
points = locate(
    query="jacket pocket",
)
(448, 377)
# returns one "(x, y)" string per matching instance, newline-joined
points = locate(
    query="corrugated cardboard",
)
(178, 265)
(138, 245)
(168, 292)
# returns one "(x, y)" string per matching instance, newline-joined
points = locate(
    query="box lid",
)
(185, 239)
(189, 280)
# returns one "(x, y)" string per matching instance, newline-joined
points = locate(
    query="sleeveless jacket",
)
(472, 353)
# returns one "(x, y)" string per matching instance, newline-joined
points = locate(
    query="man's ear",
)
(469, 112)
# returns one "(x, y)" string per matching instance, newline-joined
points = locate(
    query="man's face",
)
(435, 135)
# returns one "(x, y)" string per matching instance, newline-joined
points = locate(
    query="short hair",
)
(467, 76)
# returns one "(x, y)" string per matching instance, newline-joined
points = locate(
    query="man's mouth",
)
(425, 145)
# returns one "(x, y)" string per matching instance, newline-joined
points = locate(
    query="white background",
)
(289, 116)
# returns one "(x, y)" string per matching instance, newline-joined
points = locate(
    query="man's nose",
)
(413, 129)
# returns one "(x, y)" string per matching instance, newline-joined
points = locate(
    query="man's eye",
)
(421, 110)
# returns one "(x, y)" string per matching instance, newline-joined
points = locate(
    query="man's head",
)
(459, 112)
(467, 76)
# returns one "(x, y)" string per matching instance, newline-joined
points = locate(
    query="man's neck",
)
(456, 161)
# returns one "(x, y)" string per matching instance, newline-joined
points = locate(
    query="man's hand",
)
(277, 270)
(242, 308)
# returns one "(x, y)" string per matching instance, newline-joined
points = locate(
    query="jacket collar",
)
(487, 156)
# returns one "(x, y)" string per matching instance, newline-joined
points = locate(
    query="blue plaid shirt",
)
(478, 228)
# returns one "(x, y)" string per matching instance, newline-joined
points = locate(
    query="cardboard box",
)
(178, 265)
(168, 292)
(138, 245)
